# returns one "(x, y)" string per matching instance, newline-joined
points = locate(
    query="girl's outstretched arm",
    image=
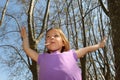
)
(83, 51)
(31, 53)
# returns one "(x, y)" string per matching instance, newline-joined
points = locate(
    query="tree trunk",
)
(114, 12)
(31, 35)
(83, 60)
(33, 66)
(33, 41)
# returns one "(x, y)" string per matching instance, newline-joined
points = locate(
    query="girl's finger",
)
(23, 32)
(105, 38)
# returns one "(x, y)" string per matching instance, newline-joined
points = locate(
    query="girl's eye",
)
(56, 35)
(48, 36)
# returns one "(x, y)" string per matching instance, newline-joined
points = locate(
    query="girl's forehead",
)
(52, 31)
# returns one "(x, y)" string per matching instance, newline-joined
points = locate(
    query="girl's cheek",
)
(46, 40)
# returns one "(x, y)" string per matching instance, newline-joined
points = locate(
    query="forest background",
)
(85, 22)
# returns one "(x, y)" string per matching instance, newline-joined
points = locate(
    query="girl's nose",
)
(52, 37)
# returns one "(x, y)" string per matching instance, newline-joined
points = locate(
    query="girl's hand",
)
(26, 47)
(24, 37)
(102, 43)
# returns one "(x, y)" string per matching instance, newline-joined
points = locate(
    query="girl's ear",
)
(63, 44)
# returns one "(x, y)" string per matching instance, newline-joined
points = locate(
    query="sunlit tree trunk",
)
(33, 40)
(33, 45)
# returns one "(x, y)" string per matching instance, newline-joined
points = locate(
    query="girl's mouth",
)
(47, 44)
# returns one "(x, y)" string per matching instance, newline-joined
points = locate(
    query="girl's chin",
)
(51, 51)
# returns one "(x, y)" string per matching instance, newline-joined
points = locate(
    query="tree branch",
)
(17, 53)
(30, 19)
(3, 12)
(103, 7)
(44, 21)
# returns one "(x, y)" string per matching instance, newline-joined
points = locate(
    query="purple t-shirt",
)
(59, 66)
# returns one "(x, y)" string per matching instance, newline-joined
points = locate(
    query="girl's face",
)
(54, 41)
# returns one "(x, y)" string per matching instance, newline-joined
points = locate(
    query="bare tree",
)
(31, 34)
(84, 23)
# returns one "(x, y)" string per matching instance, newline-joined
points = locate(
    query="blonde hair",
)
(66, 46)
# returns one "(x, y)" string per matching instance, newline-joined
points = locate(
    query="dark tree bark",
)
(83, 60)
(114, 12)
(114, 15)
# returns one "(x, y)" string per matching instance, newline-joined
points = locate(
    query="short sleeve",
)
(74, 54)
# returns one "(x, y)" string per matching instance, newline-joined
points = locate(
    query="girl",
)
(59, 62)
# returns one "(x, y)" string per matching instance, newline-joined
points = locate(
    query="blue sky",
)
(9, 39)
(3, 75)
